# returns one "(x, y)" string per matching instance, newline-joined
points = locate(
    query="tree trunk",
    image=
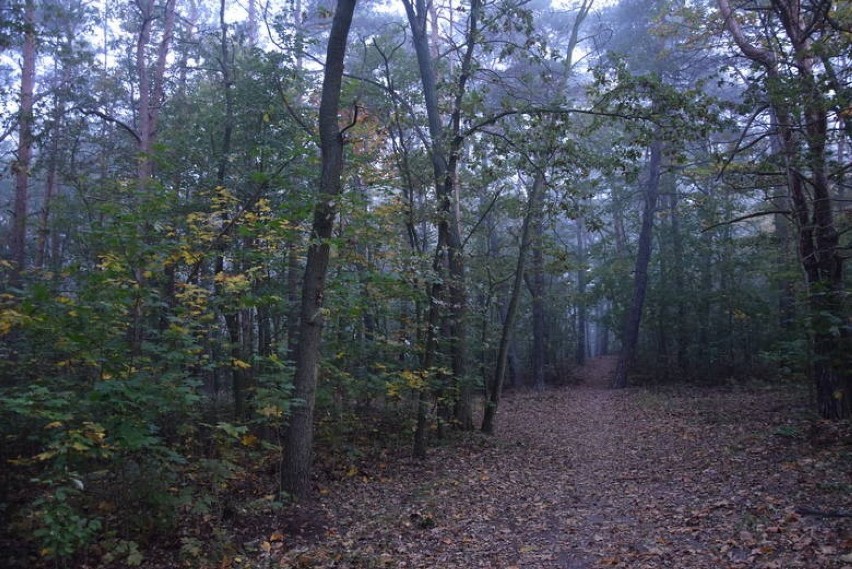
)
(582, 310)
(232, 318)
(292, 300)
(298, 437)
(51, 189)
(633, 318)
(680, 290)
(535, 285)
(151, 84)
(495, 389)
(444, 166)
(21, 167)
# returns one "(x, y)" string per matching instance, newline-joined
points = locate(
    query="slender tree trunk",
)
(582, 318)
(633, 318)
(233, 317)
(21, 167)
(535, 284)
(292, 300)
(51, 188)
(495, 389)
(679, 277)
(430, 348)
(663, 365)
(445, 164)
(44, 233)
(151, 83)
(298, 437)
(512, 369)
(602, 341)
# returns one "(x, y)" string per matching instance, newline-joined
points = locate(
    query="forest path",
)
(586, 476)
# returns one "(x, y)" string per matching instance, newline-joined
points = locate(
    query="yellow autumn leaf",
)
(271, 412)
(263, 206)
(94, 432)
(10, 319)
(232, 283)
(46, 455)
(413, 379)
(393, 389)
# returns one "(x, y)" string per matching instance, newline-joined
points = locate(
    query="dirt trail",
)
(586, 477)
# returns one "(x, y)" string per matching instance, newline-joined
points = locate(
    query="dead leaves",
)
(587, 477)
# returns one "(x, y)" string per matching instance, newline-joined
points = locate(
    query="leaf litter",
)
(587, 477)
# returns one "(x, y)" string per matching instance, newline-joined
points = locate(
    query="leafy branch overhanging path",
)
(585, 476)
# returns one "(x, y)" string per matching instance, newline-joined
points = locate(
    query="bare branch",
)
(493, 119)
(746, 217)
(108, 118)
(737, 147)
(352, 123)
(292, 112)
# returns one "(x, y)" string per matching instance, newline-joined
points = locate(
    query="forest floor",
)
(585, 476)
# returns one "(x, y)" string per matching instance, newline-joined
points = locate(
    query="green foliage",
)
(62, 529)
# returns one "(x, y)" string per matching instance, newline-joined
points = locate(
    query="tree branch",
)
(352, 123)
(292, 112)
(745, 217)
(737, 147)
(108, 118)
(762, 56)
(493, 119)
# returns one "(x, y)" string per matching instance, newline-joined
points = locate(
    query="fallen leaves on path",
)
(585, 477)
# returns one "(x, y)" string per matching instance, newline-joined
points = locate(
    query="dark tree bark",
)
(495, 388)
(21, 166)
(535, 284)
(445, 155)
(45, 238)
(298, 437)
(679, 277)
(582, 310)
(633, 318)
(234, 320)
